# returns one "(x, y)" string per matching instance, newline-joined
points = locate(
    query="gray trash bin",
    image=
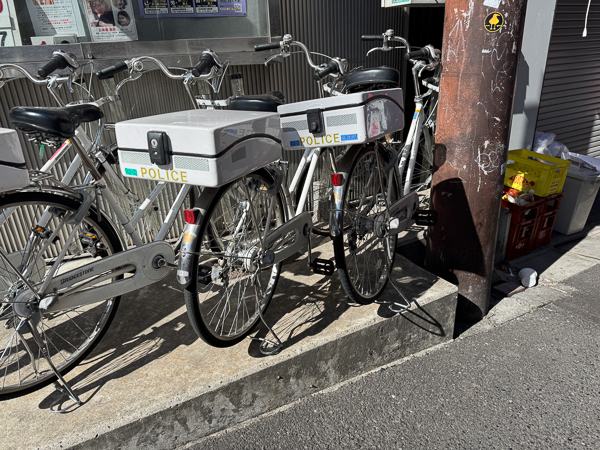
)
(579, 192)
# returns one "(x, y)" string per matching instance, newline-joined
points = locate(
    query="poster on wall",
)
(50, 17)
(6, 32)
(154, 7)
(182, 6)
(111, 20)
(192, 8)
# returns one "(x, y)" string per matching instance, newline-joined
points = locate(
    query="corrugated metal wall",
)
(332, 27)
(570, 101)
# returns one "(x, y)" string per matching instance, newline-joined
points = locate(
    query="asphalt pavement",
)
(527, 376)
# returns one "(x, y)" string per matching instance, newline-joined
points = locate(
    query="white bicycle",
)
(61, 279)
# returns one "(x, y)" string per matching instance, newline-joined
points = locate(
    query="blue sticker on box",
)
(131, 172)
(349, 137)
(294, 143)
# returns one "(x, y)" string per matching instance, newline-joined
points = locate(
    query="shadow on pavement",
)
(145, 328)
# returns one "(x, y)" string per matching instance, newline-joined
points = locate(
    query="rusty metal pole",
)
(480, 55)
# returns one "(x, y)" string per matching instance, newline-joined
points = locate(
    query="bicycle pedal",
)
(426, 217)
(322, 266)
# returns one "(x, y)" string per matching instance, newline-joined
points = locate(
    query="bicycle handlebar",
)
(269, 46)
(110, 72)
(28, 75)
(331, 67)
(59, 60)
(206, 62)
(335, 65)
(369, 37)
(55, 63)
(422, 53)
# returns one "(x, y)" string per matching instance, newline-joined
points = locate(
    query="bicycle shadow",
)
(300, 309)
(413, 285)
(133, 340)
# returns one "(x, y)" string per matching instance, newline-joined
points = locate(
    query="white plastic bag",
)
(542, 141)
(558, 150)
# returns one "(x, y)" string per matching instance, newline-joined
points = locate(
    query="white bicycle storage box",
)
(201, 147)
(342, 119)
(13, 171)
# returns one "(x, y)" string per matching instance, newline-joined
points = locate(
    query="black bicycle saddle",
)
(61, 122)
(266, 102)
(371, 79)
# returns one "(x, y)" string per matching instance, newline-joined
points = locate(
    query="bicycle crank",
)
(401, 213)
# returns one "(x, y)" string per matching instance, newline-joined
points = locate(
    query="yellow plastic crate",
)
(526, 172)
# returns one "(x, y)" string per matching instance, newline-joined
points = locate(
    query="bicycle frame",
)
(83, 146)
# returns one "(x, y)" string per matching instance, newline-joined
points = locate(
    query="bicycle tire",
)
(363, 259)
(320, 192)
(214, 305)
(69, 335)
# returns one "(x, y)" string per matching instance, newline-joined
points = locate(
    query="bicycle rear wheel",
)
(68, 335)
(364, 253)
(222, 298)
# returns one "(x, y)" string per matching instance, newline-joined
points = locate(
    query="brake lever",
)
(278, 55)
(385, 48)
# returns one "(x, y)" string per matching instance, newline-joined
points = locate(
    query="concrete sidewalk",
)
(151, 383)
(526, 376)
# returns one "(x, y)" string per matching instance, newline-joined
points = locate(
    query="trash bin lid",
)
(581, 172)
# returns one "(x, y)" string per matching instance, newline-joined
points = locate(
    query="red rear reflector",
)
(336, 179)
(189, 215)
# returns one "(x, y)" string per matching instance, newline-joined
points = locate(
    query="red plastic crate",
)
(520, 239)
(545, 222)
(531, 225)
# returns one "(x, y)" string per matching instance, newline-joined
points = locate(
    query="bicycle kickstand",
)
(267, 347)
(399, 307)
(60, 384)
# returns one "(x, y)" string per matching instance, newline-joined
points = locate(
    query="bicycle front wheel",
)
(364, 253)
(229, 287)
(67, 335)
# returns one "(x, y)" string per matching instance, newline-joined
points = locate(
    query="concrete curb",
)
(319, 365)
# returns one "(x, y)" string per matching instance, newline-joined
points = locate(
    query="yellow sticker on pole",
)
(494, 22)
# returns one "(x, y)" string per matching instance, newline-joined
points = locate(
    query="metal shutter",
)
(570, 101)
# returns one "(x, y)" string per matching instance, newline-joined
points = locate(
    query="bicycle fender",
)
(337, 211)
(189, 243)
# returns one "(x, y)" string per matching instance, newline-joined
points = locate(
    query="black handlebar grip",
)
(369, 37)
(110, 72)
(56, 62)
(206, 62)
(269, 46)
(332, 67)
(417, 54)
